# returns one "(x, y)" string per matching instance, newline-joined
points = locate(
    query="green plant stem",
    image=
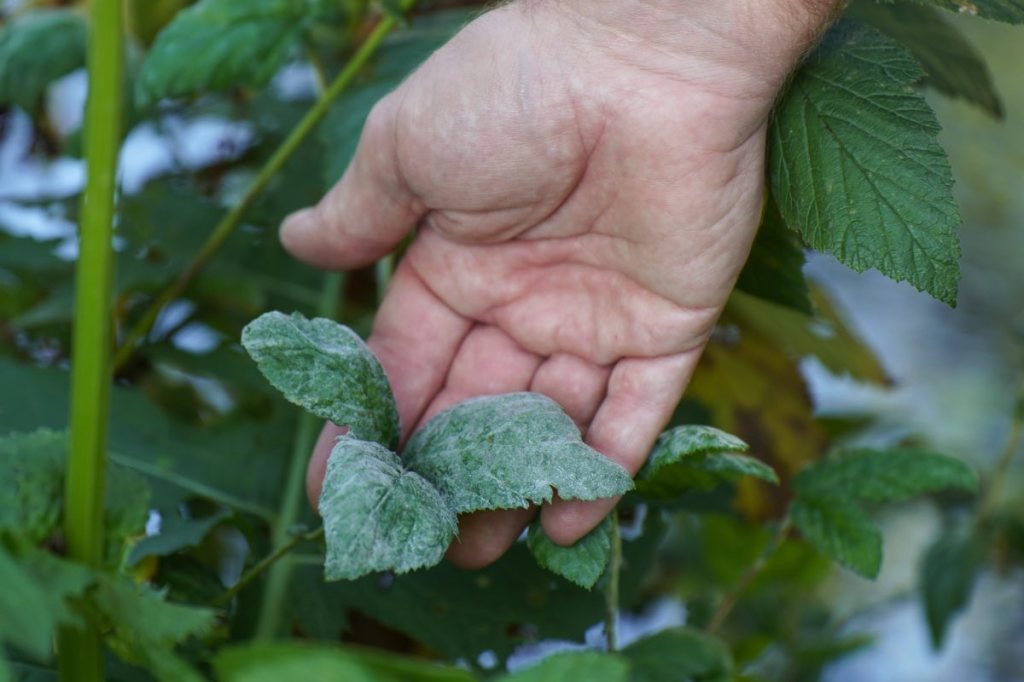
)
(233, 218)
(382, 272)
(275, 593)
(265, 563)
(81, 654)
(611, 589)
(990, 498)
(754, 570)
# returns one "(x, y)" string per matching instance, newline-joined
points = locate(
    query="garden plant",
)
(153, 512)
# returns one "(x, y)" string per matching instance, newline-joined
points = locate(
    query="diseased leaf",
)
(583, 563)
(326, 368)
(679, 654)
(855, 165)
(1009, 11)
(948, 571)
(175, 534)
(297, 661)
(574, 665)
(398, 56)
(774, 269)
(36, 49)
(884, 475)
(506, 451)
(952, 65)
(216, 44)
(696, 458)
(378, 516)
(841, 531)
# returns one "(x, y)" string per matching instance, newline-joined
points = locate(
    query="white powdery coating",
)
(378, 516)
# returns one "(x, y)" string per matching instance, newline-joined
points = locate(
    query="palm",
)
(581, 251)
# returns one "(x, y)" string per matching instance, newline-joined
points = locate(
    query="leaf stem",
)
(754, 570)
(81, 653)
(611, 589)
(382, 272)
(233, 218)
(997, 479)
(275, 593)
(265, 563)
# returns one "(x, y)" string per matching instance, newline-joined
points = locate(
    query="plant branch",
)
(81, 653)
(754, 570)
(233, 218)
(997, 480)
(611, 590)
(265, 563)
(279, 577)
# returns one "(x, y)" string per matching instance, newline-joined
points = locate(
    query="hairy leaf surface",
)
(696, 457)
(37, 49)
(506, 451)
(856, 167)
(583, 563)
(840, 530)
(326, 368)
(31, 483)
(378, 516)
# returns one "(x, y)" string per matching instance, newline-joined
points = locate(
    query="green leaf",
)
(144, 629)
(176, 533)
(25, 618)
(582, 563)
(679, 654)
(884, 475)
(774, 269)
(947, 575)
(216, 44)
(952, 65)
(696, 458)
(326, 368)
(841, 531)
(32, 483)
(33, 601)
(1010, 11)
(377, 515)
(236, 461)
(856, 167)
(399, 55)
(296, 661)
(506, 451)
(461, 613)
(35, 50)
(579, 665)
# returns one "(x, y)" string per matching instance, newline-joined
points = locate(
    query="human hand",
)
(587, 179)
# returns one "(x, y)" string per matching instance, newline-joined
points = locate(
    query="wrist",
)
(749, 45)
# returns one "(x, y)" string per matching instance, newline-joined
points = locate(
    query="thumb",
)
(367, 212)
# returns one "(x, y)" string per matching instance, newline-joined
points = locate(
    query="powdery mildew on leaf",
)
(506, 451)
(856, 166)
(697, 457)
(582, 563)
(377, 515)
(326, 368)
